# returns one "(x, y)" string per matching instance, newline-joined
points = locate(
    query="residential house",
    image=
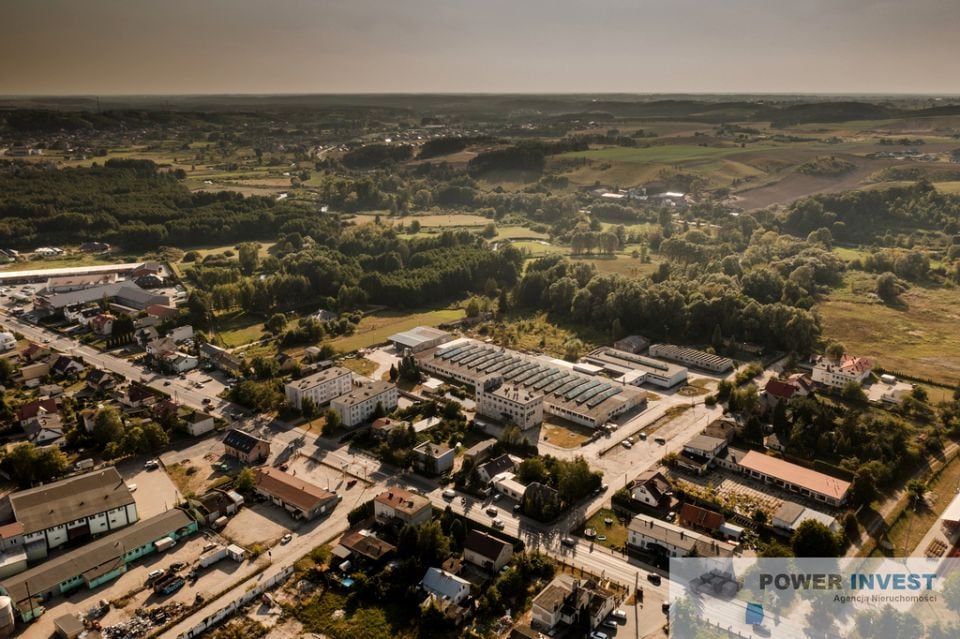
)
(137, 395)
(570, 601)
(245, 447)
(480, 452)
(652, 489)
(102, 324)
(699, 452)
(285, 362)
(44, 429)
(298, 497)
(382, 426)
(181, 333)
(400, 507)
(723, 429)
(486, 472)
(778, 390)
(697, 518)
(145, 335)
(64, 366)
(35, 408)
(434, 459)
(161, 347)
(662, 538)
(445, 587)
(362, 543)
(220, 359)
(486, 551)
(34, 352)
(198, 423)
(99, 380)
(179, 362)
(772, 442)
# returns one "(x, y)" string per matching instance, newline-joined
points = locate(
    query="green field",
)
(377, 327)
(239, 328)
(918, 338)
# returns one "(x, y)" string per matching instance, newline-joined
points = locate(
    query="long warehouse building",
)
(581, 398)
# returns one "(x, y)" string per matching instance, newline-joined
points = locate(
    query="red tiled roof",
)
(697, 517)
(32, 409)
(797, 475)
(780, 388)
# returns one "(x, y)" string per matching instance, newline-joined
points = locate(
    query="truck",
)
(164, 544)
(84, 464)
(212, 556)
(169, 585)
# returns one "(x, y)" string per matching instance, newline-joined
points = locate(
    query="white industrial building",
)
(631, 368)
(838, 373)
(692, 357)
(320, 387)
(579, 397)
(418, 339)
(511, 404)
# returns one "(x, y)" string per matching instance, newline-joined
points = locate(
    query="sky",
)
(135, 47)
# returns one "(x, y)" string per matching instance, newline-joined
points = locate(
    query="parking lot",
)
(155, 492)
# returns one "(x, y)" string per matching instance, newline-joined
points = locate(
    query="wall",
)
(227, 611)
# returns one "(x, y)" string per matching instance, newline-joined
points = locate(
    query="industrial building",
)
(418, 339)
(72, 509)
(300, 498)
(692, 357)
(320, 387)
(93, 564)
(630, 368)
(510, 404)
(124, 293)
(582, 398)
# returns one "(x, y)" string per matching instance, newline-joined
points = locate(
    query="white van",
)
(449, 493)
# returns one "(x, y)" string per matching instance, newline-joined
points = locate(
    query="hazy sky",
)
(325, 46)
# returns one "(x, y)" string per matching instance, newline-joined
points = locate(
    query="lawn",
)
(537, 333)
(918, 337)
(566, 435)
(615, 532)
(518, 232)
(375, 328)
(663, 153)
(359, 365)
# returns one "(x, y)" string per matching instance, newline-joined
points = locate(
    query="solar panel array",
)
(550, 380)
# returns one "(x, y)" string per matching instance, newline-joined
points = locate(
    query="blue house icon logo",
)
(754, 614)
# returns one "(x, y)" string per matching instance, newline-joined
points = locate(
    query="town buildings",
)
(838, 373)
(245, 447)
(300, 498)
(663, 538)
(399, 507)
(486, 551)
(418, 339)
(577, 397)
(84, 506)
(630, 368)
(794, 478)
(361, 402)
(510, 404)
(692, 357)
(320, 387)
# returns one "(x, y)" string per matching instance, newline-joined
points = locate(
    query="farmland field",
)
(918, 337)
(377, 327)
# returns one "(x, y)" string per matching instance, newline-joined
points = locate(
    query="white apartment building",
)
(360, 403)
(510, 403)
(320, 387)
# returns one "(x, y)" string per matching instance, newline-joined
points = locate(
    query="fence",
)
(230, 609)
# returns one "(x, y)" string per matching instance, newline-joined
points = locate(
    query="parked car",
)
(568, 541)
(152, 464)
(286, 539)
(492, 511)
(177, 566)
(497, 523)
(654, 578)
(132, 488)
(626, 444)
(155, 575)
(610, 623)
(619, 614)
(643, 437)
(660, 440)
(596, 634)
(351, 483)
(449, 493)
